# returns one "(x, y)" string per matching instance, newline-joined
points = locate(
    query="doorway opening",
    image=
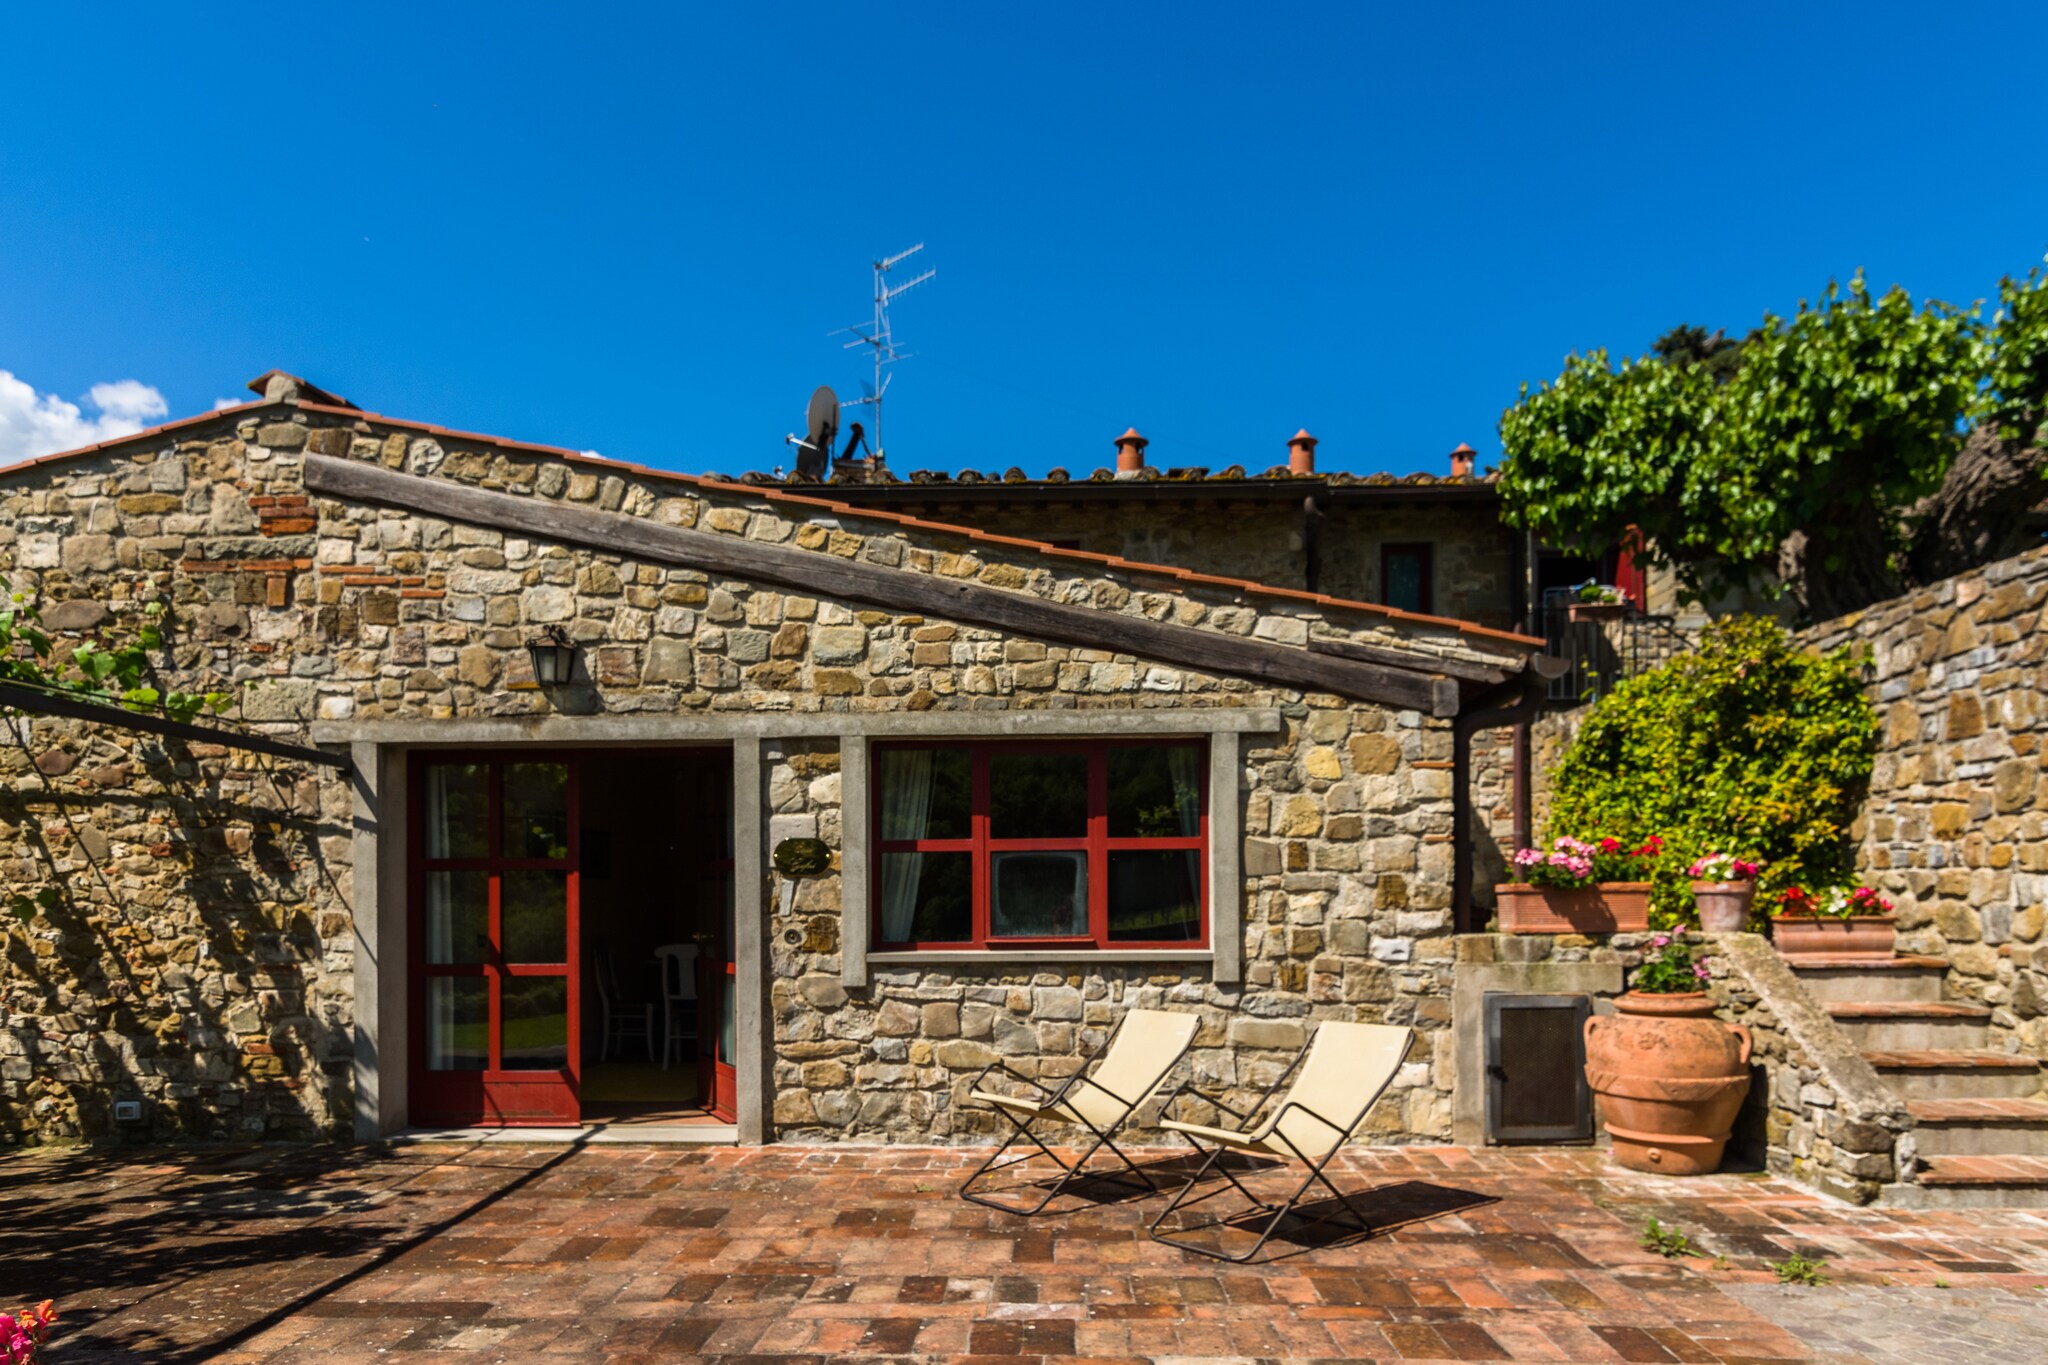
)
(658, 936)
(572, 937)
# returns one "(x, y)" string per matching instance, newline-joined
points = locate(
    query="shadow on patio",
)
(818, 1255)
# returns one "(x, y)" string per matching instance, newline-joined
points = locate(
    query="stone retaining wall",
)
(1956, 828)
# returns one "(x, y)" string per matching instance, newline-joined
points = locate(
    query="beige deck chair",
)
(1143, 1048)
(1338, 1078)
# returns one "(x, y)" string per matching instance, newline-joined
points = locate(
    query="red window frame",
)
(1097, 843)
(1425, 556)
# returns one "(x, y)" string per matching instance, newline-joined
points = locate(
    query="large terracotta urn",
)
(1670, 1078)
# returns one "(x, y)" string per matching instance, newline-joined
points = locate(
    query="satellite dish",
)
(821, 425)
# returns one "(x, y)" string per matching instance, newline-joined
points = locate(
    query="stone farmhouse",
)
(836, 803)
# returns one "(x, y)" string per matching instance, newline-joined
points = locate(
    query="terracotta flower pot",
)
(1865, 935)
(1670, 1079)
(1609, 908)
(1598, 611)
(1723, 906)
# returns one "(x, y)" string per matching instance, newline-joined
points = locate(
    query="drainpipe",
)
(1532, 607)
(1514, 702)
(1312, 539)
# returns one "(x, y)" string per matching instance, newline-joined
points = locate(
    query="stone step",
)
(1896, 1025)
(1980, 1127)
(1984, 1170)
(1956, 1073)
(2006, 1182)
(1857, 976)
(1917, 1195)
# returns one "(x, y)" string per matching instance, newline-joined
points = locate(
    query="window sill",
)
(1064, 957)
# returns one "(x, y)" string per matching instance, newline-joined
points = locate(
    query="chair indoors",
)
(1338, 1077)
(623, 1017)
(1143, 1049)
(678, 1000)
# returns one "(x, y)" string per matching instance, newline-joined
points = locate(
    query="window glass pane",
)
(458, 810)
(533, 916)
(728, 1022)
(458, 1017)
(927, 897)
(1155, 792)
(458, 916)
(536, 811)
(1038, 796)
(926, 793)
(534, 1011)
(1034, 895)
(1155, 896)
(1407, 579)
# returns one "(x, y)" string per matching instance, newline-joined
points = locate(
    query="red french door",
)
(494, 859)
(717, 1032)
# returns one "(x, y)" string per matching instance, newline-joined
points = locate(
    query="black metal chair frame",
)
(1069, 1175)
(1279, 1211)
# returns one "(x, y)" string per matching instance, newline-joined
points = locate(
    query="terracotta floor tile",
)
(857, 1254)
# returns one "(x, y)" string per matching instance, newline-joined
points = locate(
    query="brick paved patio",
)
(505, 1252)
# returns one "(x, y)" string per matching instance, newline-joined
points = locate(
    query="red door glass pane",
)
(493, 941)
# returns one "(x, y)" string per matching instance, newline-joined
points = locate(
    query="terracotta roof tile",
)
(779, 492)
(147, 433)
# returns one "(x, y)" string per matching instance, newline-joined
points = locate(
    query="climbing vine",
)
(113, 669)
(108, 669)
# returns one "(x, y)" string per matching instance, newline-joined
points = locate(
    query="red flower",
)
(1610, 845)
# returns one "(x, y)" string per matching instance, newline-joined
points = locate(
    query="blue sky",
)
(630, 229)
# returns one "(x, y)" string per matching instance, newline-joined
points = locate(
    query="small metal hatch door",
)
(1536, 1068)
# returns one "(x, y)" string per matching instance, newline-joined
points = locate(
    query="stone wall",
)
(1816, 1112)
(200, 958)
(1956, 828)
(1475, 559)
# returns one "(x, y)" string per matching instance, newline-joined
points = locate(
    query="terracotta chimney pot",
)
(1301, 453)
(1130, 452)
(1461, 461)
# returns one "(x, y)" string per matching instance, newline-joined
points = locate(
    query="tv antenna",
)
(881, 343)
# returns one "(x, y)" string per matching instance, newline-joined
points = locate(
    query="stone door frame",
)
(383, 1045)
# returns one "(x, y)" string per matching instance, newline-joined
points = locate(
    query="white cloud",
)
(33, 424)
(128, 400)
(220, 403)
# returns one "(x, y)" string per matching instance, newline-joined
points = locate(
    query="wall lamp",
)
(553, 655)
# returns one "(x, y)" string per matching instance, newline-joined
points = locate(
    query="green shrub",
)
(1745, 746)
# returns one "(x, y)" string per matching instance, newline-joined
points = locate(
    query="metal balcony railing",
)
(1601, 650)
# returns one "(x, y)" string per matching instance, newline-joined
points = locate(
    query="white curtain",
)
(906, 812)
(1184, 763)
(440, 844)
(441, 1025)
(440, 917)
(438, 832)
